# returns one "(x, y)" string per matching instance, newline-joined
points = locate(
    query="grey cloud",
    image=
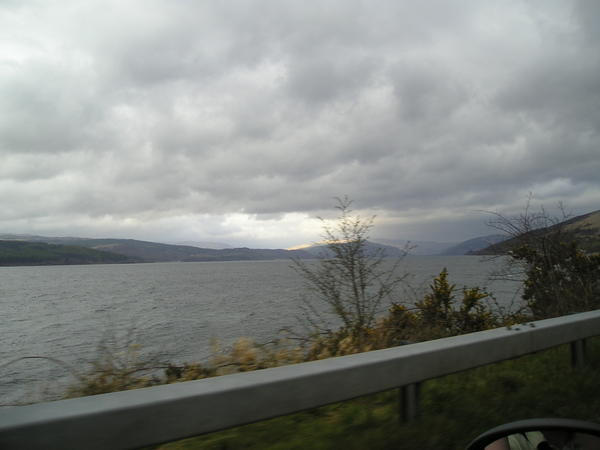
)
(587, 13)
(557, 92)
(324, 79)
(426, 91)
(45, 109)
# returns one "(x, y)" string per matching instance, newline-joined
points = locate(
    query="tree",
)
(352, 277)
(558, 277)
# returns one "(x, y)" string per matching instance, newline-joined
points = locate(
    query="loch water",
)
(174, 310)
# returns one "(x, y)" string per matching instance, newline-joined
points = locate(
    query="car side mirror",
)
(540, 434)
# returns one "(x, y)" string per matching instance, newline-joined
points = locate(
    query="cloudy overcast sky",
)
(239, 121)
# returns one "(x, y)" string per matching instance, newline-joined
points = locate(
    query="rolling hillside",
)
(145, 251)
(584, 229)
(22, 253)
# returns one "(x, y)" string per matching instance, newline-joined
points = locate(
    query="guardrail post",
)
(409, 402)
(578, 354)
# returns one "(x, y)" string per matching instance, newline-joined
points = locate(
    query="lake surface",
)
(171, 309)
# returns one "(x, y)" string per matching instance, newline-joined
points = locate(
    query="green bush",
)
(560, 278)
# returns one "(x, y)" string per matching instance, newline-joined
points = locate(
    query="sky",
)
(239, 122)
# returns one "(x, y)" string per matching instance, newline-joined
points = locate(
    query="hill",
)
(204, 244)
(22, 253)
(584, 229)
(145, 251)
(421, 248)
(318, 250)
(473, 245)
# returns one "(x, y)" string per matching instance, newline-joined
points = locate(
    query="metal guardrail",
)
(142, 417)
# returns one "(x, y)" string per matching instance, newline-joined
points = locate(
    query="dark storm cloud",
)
(156, 116)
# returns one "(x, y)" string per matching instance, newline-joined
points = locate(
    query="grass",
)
(454, 409)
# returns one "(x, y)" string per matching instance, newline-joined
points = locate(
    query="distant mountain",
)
(585, 229)
(145, 251)
(23, 253)
(472, 245)
(423, 248)
(203, 244)
(318, 250)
